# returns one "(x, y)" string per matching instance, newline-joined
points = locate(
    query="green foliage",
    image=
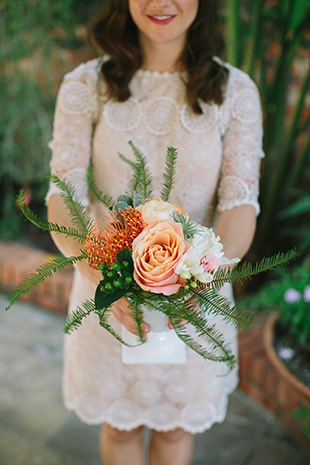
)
(253, 28)
(303, 415)
(44, 271)
(141, 182)
(190, 227)
(105, 199)
(169, 173)
(78, 214)
(33, 37)
(288, 292)
(46, 225)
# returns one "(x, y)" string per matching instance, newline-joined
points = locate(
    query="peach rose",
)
(156, 253)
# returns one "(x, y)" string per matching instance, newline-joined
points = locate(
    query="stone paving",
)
(36, 429)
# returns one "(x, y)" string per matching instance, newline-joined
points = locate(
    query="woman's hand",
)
(122, 313)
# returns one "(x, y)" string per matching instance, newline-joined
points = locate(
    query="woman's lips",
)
(161, 19)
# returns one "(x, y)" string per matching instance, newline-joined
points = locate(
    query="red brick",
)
(259, 369)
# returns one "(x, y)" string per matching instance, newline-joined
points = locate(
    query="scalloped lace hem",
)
(218, 416)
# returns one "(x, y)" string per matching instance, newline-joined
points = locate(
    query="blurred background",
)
(269, 39)
(41, 40)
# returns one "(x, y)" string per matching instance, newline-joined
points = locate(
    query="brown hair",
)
(115, 33)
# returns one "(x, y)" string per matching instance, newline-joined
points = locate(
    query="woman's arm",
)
(236, 229)
(58, 213)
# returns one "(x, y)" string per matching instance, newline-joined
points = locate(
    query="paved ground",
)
(35, 428)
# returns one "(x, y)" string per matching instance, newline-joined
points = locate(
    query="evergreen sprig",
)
(189, 226)
(169, 173)
(44, 271)
(78, 213)
(46, 225)
(141, 181)
(105, 199)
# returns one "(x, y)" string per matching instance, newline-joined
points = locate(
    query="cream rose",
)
(156, 252)
(157, 210)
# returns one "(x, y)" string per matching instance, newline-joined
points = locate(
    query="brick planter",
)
(17, 261)
(262, 376)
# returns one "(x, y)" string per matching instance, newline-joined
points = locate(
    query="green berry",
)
(108, 286)
(193, 284)
(115, 267)
(117, 283)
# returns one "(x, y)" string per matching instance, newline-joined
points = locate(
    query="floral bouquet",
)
(153, 254)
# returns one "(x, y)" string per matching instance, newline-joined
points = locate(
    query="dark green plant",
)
(302, 414)
(32, 37)
(252, 29)
(288, 292)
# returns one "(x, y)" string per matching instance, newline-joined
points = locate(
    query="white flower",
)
(156, 210)
(204, 255)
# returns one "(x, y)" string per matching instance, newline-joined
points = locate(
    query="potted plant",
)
(286, 295)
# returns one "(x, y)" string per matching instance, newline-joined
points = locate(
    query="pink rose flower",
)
(156, 253)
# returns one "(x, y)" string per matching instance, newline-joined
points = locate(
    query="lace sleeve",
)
(75, 115)
(242, 144)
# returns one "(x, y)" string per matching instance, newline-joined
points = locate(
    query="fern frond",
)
(175, 310)
(44, 271)
(103, 321)
(225, 356)
(246, 271)
(212, 303)
(79, 215)
(46, 225)
(74, 320)
(94, 189)
(190, 227)
(169, 173)
(137, 315)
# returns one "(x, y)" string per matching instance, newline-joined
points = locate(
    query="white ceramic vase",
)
(162, 344)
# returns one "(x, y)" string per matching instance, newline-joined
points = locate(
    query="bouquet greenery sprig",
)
(153, 254)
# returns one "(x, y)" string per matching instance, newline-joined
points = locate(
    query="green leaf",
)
(300, 10)
(125, 255)
(103, 300)
(169, 173)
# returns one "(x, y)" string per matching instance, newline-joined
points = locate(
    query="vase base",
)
(160, 347)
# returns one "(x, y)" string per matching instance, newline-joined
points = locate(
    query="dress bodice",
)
(219, 151)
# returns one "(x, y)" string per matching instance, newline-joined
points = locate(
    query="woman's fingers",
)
(122, 313)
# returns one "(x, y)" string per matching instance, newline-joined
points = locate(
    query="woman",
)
(158, 85)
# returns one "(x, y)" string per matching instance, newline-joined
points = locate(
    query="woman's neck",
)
(160, 57)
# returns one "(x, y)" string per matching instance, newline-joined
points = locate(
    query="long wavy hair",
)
(115, 33)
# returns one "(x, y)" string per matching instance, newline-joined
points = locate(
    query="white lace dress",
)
(217, 170)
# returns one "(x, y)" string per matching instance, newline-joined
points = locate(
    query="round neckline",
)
(147, 72)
